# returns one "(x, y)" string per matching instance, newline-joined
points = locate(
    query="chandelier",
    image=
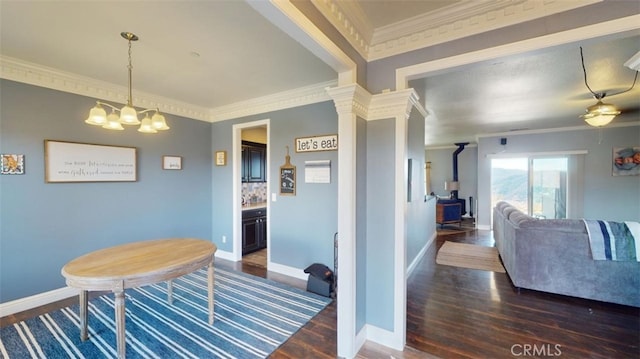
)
(600, 114)
(128, 114)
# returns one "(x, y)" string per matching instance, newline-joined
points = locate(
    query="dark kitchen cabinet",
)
(254, 230)
(253, 162)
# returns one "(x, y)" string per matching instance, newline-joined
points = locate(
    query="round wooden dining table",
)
(136, 264)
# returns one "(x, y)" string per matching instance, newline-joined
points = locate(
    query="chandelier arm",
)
(108, 105)
(149, 110)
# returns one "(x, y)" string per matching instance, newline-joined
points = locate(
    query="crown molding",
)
(42, 76)
(350, 99)
(38, 75)
(392, 104)
(350, 20)
(465, 18)
(354, 99)
(279, 101)
(460, 20)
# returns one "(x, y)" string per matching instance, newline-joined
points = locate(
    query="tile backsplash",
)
(254, 192)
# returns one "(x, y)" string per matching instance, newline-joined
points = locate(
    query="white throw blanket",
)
(614, 241)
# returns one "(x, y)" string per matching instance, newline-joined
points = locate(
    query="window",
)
(536, 185)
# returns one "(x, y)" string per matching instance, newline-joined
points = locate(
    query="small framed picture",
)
(288, 180)
(12, 164)
(221, 158)
(171, 162)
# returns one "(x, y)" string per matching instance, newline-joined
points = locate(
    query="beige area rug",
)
(258, 258)
(469, 256)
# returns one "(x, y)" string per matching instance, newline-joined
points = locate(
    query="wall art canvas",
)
(626, 161)
(86, 162)
(12, 164)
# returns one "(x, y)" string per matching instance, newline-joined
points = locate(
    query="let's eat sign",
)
(317, 143)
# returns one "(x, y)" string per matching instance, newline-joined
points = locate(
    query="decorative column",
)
(351, 101)
(397, 105)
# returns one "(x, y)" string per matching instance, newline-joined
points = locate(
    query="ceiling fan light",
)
(599, 120)
(158, 122)
(129, 116)
(97, 116)
(600, 114)
(603, 109)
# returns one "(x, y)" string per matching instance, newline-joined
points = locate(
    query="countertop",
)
(254, 206)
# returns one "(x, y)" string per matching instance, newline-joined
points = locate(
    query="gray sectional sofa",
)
(553, 255)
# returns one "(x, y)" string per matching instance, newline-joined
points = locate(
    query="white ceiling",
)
(542, 90)
(241, 55)
(212, 54)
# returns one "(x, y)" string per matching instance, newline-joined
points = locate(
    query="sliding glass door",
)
(535, 185)
(548, 178)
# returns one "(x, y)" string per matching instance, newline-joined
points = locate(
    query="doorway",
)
(251, 193)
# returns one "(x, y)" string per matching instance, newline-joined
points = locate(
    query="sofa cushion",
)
(517, 218)
(502, 205)
(562, 225)
(508, 210)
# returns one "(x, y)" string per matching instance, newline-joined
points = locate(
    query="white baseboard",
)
(225, 255)
(383, 337)
(37, 300)
(421, 254)
(288, 271)
(361, 338)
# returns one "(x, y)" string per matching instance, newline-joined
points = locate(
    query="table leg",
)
(120, 331)
(211, 278)
(84, 302)
(170, 291)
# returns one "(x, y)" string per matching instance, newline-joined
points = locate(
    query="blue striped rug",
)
(253, 317)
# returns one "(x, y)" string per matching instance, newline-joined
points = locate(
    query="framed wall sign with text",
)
(171, 162)
(221, 158)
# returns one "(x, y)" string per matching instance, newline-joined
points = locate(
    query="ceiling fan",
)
(601, 114)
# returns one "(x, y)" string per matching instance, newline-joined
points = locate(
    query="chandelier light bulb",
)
(97, 116)
(113, 122)
(129, 116)
(158, 122)
(146, 126)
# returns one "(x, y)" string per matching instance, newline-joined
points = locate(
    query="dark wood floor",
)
(464, 313)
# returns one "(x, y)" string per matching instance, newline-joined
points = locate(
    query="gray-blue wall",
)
(301, 226)
(419, 224)
(44, 225)
(380, 222)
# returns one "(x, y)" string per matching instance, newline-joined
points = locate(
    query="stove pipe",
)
(454, 193)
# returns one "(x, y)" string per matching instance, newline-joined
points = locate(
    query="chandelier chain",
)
(130, 68)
